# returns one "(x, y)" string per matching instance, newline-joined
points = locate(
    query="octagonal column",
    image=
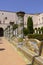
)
(20, 23)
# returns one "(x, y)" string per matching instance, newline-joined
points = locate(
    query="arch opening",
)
(1, 32)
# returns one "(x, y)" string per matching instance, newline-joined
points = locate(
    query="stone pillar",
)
(35, 31)
(38, 32)
(20, 24)
(41, 32)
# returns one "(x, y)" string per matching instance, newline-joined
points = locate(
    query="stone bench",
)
(27, 53)
(35, 47)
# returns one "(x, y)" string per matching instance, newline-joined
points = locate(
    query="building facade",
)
(7, 17)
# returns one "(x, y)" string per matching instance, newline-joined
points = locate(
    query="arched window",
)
(1, 32)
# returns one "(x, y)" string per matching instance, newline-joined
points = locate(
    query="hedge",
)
(36, 36)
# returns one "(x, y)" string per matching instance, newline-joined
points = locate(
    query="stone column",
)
(20, 23)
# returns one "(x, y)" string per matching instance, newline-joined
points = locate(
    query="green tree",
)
(15, 26)
(42, 29)
(25, 31)
(30, 25)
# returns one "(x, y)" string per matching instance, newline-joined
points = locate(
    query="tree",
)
(42, 29)
(15, 26)
(25, 31)
(30, 25)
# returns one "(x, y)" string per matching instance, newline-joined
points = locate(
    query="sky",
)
(27, 6)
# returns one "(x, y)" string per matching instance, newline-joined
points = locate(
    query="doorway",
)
(1, 32)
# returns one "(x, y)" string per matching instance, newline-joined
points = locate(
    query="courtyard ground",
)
(8, 54)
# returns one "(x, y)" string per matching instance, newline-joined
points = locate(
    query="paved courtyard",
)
(8, 54)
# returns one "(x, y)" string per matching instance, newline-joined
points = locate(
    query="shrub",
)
(36, 36)
(42, 29)
(15, 26)
(25, 31)
(20, 39)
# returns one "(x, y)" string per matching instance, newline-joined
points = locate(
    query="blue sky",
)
(28, 6)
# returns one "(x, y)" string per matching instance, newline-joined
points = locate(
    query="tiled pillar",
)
(20, 23)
